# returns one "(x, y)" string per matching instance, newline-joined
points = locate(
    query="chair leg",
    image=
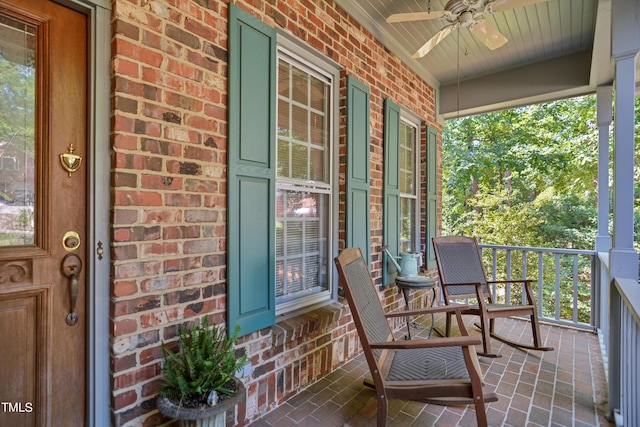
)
(382, 410)
(535, 329)
(487, 327)
(481, 410)
(447, 330)
(537, 337)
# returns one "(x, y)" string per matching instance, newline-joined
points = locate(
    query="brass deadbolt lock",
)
(71, 241)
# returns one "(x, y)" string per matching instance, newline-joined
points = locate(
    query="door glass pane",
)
(17, 132)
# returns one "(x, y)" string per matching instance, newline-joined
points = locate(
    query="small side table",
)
(409, 283)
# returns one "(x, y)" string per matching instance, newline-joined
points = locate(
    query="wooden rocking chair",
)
(444, 371)
(462, 276)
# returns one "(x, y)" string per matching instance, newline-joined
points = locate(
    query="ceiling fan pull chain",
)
(458, 74)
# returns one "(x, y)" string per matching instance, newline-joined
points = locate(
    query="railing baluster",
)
(507, 290)
(524, 273)
(575, 288)
(494, 272)
(632, 365)
(557, 299)
(540, 283)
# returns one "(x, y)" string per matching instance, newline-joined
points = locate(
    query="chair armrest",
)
(512, 281)
(457, 341)
(461, 284)
(422, 311)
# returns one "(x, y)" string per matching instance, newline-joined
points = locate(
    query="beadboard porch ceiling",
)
(555, 49)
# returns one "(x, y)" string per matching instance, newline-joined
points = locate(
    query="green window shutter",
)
(357, 180)
(251, 173)
(391, 207)
(432, 195)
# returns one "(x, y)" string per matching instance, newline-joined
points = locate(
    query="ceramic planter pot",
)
(204, 416)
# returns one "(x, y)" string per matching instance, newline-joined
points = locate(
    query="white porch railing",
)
(574, 288)
(624, 352)
(565, 281)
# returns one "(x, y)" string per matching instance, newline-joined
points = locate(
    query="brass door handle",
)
(71, 267)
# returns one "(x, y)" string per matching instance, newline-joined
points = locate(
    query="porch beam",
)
(556, 78)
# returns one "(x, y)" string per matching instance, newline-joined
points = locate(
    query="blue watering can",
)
(409, 262)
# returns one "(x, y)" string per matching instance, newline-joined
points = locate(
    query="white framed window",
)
(409, 179)
(304, 181)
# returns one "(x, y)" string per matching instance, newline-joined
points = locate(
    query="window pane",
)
(299, 160)
(283, 158)
(407, 213)
(318, 131)
(17, 132)
(300, 86)
(284, 125)
(300, 123)
(318, 172)
(301, 243)
(318, 94)
(283, 79)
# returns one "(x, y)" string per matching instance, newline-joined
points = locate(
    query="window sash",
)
(304, 239)
(408, 168)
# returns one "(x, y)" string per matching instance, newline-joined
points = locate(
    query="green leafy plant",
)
(205, 361)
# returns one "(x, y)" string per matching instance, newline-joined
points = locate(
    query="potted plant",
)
(199, 381)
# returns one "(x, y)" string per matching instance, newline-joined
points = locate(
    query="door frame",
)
(98, 380)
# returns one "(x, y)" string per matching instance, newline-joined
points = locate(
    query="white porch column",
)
(604, 115)
(623, 259)
(625, 47)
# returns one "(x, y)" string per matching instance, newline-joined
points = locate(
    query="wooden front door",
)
(43, 218)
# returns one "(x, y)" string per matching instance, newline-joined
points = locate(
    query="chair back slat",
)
(460, 261)
(363, 298)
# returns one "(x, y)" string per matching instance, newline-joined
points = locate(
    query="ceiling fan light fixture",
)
(464, 13)
(466, 18)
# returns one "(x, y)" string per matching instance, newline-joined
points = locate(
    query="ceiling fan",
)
(464, 13)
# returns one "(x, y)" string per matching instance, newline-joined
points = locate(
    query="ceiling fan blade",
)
(415, 16)
(433, 41)
(502, 5)
(488, 34)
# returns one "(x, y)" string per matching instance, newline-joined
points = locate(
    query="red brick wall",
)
(169, 162)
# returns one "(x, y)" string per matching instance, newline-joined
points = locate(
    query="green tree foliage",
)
(528, 177)
(525, 176)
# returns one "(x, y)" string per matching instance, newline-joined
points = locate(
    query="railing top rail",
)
(533, 249)
(630, 293)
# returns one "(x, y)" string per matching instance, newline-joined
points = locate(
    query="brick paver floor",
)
(565, 388)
